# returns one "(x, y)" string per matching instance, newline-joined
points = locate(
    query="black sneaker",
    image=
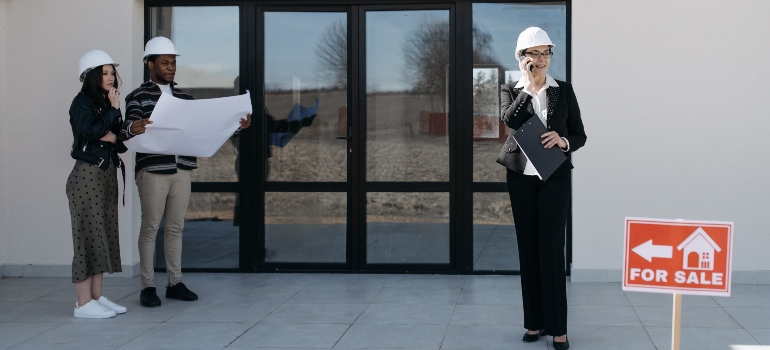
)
(180, 291)
(149, 298)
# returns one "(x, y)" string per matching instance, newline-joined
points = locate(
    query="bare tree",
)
(482, 47)
(426, 56)
(485, 93)
(426, 61)
(333, 53)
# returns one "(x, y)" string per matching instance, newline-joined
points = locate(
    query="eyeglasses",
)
(536, 55)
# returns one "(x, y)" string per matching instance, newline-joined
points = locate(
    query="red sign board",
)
(678, 256)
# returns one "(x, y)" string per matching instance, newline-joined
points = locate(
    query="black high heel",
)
(528, 338)
(561, 345)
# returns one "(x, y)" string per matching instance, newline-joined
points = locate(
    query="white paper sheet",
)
(191, 127)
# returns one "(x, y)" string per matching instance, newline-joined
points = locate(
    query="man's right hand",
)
(138, 127)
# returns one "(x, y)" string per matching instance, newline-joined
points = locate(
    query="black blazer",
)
(563, 117)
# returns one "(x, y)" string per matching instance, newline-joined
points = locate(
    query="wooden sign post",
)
(676, 324)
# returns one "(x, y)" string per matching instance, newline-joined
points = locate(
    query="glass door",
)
(357, 138)
(306, 99)
(404, 119)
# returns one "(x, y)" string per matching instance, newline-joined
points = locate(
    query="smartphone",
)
(531, 67)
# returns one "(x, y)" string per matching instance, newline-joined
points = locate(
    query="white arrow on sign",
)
(647, 250)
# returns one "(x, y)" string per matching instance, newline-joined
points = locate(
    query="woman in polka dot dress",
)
(92, 186)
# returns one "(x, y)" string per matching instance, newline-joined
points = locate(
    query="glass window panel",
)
(306, 61)
(407, 228)
(207, 39)
(211, 233)
(494, 234)
(305, 227)
(496, 28)
(407, 74)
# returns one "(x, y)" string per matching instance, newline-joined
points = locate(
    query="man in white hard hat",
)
(163, 180)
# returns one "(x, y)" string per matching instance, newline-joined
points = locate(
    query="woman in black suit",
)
(540, 207)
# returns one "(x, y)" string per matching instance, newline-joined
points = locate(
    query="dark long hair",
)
(92, 87)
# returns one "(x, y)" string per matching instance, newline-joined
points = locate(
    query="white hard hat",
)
(159, 45)
(531, 37)
(91, 60)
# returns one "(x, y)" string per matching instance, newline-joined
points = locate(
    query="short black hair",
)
(152, 58)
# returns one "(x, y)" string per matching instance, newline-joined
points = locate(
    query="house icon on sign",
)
(698, 251)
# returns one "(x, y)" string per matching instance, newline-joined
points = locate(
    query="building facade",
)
(397, 172)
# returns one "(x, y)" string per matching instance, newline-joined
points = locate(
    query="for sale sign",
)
(678, 256)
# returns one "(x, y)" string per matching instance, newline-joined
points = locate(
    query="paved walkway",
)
(338, 311)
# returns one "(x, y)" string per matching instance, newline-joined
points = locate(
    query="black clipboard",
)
(545, 160)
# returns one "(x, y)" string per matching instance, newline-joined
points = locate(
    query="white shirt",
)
(540, 105)
(166, 89)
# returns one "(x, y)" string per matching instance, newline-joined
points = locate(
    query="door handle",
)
(343, 138)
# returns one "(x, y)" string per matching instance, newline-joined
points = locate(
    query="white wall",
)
(47, 37)
(3, 117)
(672, 96)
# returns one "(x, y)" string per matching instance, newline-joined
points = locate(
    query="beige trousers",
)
(162, 196)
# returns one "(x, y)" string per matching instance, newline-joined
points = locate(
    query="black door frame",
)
(460, 186)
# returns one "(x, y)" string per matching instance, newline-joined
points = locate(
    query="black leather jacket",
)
(89, 124)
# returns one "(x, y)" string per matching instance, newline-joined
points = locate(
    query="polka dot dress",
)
(93, 199)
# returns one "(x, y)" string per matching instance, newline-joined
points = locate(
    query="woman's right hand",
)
(526, 74)
(114, 96)
(110, 137)
(138, 127)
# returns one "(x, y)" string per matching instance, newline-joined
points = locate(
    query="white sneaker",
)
(93, 309)
(111, 305)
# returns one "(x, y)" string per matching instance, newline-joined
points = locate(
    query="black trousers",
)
(540, 211)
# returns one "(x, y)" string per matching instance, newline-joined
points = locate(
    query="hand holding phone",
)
(523, 64)
(531, 63)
